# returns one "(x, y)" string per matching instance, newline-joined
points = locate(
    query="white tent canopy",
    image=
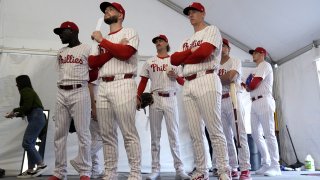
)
(28, 46)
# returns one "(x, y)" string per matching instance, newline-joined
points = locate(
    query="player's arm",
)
(99, 60)
(229, 77)
(119, 51)
(200, 54)
(93, 101)
(255, 82)
(177, 58)
(180, 80)
(93, 74)
(141, 87)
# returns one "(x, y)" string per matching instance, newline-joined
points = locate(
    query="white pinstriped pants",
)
(164, 107)
(202, 101)
(116, 107)
(262, 123)
(229, 129)
(76, 104)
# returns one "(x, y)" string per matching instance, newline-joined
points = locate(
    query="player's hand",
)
(10, 115)
(172, 74)
(138, 106)
(97, 36)
(124, 41)
(194, 49)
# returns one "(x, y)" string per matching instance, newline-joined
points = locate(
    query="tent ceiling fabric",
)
(282, 27)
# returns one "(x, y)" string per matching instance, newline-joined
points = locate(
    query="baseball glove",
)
(146, 100)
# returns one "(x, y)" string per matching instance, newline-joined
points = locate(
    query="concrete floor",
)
(287, 175)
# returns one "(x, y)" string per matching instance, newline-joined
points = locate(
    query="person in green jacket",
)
(30, 106)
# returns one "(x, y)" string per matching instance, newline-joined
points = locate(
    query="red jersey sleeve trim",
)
(99, 60)
(119, 51)
(177, 58)
(142, 85)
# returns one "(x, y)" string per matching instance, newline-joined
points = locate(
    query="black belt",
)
(256, 98)
(193, 76)
(225, 95)
(70, 87)
(165, 94)
(112, 78)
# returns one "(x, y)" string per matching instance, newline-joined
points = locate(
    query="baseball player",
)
(230, 72)
(96, 141)
(163, 78)
(73, 100)
(200, 58)
(116, 102)
(259, 84)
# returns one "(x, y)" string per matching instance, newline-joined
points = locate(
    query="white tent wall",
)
(28, 42)
(298, 88)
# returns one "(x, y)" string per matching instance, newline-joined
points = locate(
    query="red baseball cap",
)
(259, 50)
(225, 41)
(196, 6)
(161, 36)
(117, 6)
(66, 25)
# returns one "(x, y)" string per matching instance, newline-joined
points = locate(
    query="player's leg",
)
(108, 129)
(96, 146)
(124, 105)
(81, 113)
(257, 135)
(62, 121)
(227, 120)
(156, 115)
(268, 126)
(209, 102)
(196, 128)
(172, 123)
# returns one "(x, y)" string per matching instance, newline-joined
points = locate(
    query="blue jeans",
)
(36, 121)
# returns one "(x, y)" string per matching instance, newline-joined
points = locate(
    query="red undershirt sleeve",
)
(119, 51)
(202, 53)
(99, 60)
(180, 80)
(255, 82)
(177, 58)
(93, 74)
(142, 85)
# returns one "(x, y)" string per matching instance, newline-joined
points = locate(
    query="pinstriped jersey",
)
(263, 70)
(155, 69)
(116, 67)
(231, 64)
(73, 65)
(210, 34)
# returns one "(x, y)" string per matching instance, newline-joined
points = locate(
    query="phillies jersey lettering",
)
(155, 69)
(73, 65)
(195, 43)
(115, 66)
(69, 59)
(209, 34)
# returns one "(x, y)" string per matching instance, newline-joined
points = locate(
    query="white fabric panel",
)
(298, 95)
(43, 74)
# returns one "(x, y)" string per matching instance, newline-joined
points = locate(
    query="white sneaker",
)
(153, 176)
(262, 170)
(224, 176)
(40, 170)
(273, 171)
(75, 165)
(181, 175)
